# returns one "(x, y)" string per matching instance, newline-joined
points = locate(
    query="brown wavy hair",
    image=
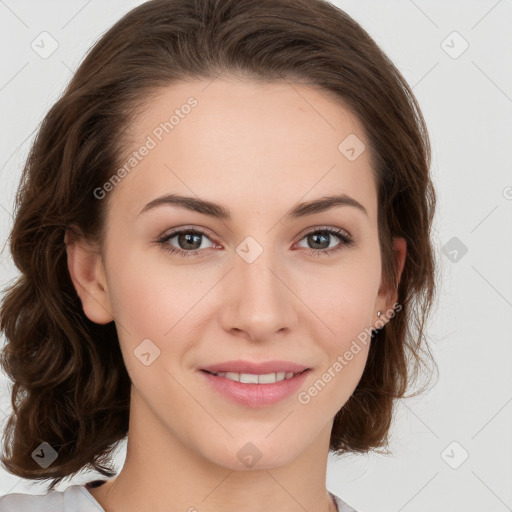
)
(71, 388)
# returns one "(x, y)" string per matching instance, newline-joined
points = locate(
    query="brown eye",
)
(189, 242)
(319, 241)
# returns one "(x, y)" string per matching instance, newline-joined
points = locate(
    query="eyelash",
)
(346, 241)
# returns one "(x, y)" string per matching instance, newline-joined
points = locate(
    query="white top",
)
(76, 498)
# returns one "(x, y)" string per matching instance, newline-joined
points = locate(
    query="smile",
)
(253, 389)
(251, 378)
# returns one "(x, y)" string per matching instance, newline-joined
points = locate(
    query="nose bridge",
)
(260, 300)
(256, 268)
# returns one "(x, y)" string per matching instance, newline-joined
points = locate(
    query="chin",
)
(259, 454)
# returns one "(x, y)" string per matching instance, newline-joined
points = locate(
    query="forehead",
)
(245, 144)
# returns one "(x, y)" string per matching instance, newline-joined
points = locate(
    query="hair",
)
(71, 388)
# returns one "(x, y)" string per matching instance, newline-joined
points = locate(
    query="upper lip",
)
(261, 368)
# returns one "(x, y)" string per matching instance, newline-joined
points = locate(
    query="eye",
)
(185, 237)
(321, 236)
(190, 241)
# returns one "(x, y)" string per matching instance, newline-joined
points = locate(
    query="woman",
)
(223, 233)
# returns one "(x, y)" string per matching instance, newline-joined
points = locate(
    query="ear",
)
(387, 297)
(88, 276)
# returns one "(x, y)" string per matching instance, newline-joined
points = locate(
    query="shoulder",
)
(342, 505)
(73, 499)
(18, 502)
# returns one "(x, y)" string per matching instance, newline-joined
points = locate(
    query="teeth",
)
(250, 378)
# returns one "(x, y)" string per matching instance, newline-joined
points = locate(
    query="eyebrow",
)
(219, 212)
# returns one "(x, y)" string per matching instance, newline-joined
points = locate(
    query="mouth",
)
(256, 389)
(253, 378)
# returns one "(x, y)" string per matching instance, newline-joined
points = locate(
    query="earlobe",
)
(87, 274)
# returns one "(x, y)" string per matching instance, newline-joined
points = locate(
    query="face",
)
(188, 289)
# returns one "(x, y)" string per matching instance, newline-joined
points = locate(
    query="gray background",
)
(466, 98)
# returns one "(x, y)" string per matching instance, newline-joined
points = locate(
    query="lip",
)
(260, 368)
(256, 395)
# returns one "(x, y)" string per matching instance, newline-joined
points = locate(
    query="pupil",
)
(315, 238)
(186, 238)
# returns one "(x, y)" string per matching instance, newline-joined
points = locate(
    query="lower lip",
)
(256, 395)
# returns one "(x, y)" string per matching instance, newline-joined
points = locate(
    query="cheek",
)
(146, 297)
(342, 307)
(341, 299)
(149, 304)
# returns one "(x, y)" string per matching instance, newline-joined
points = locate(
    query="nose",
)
(259, 298)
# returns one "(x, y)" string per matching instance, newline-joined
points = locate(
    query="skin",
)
(257, 149)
